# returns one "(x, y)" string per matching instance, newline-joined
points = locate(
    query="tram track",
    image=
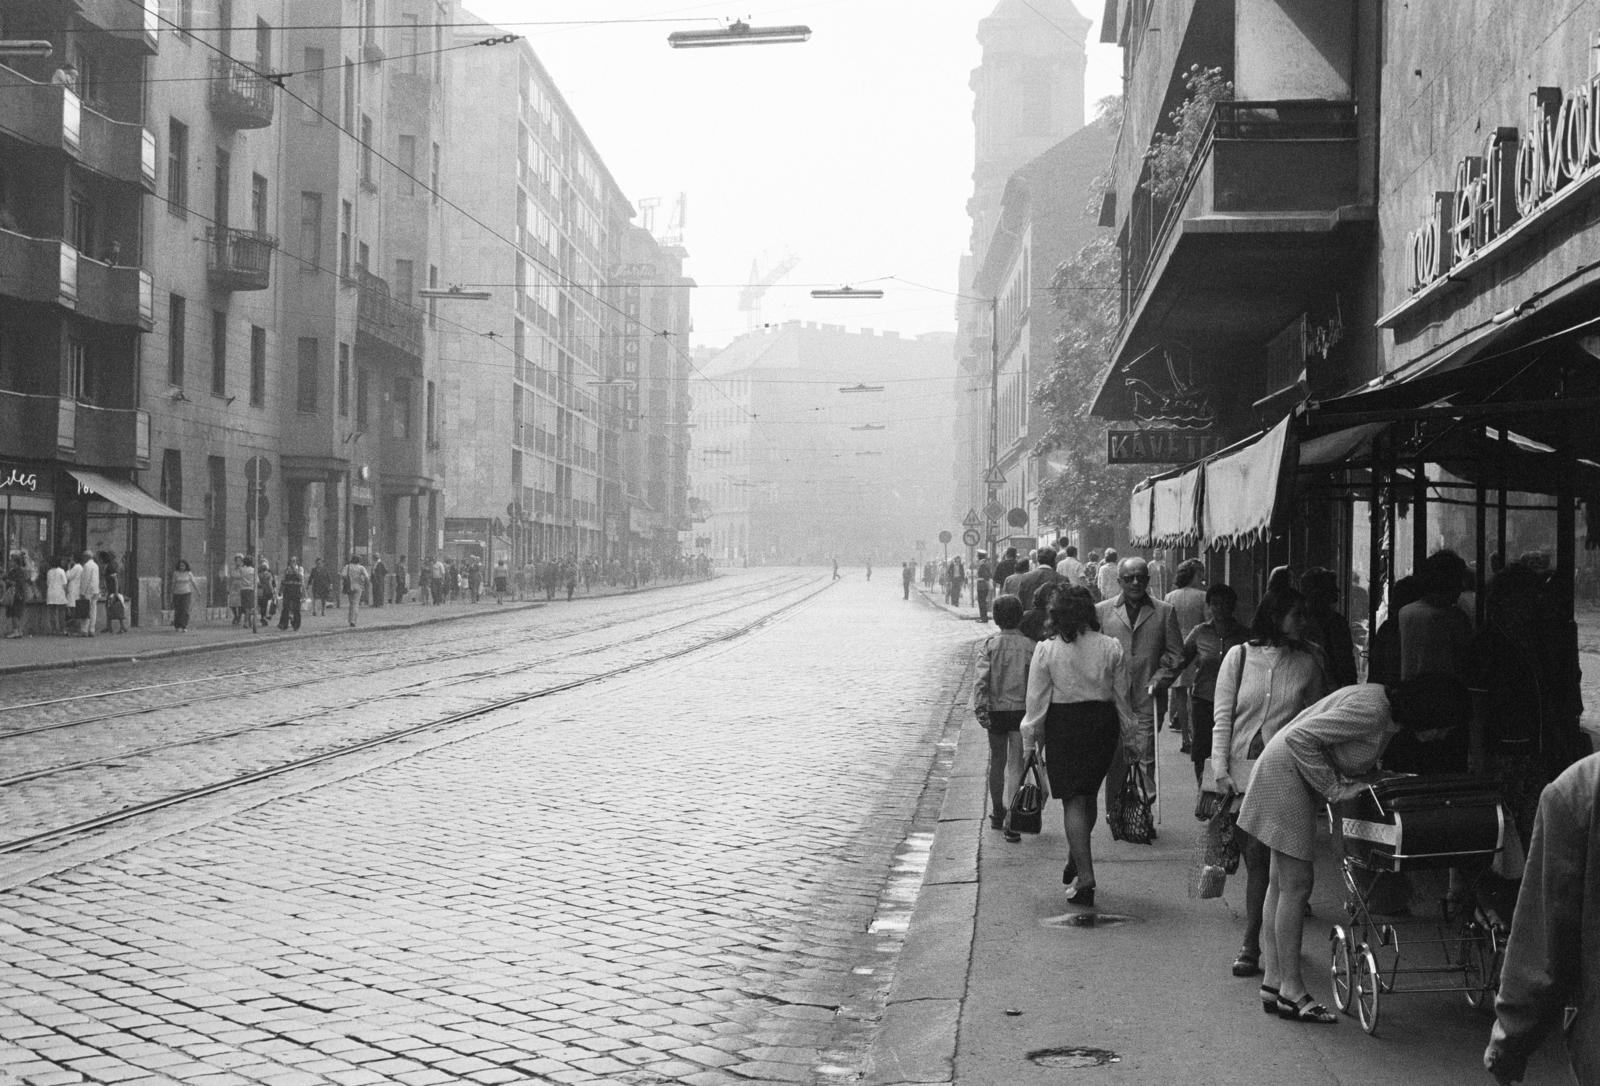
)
(498, 645)
(58, 834)
(411, 690)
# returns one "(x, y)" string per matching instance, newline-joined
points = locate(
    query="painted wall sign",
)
(1512, 180)
(12, 479)
(1159, 446)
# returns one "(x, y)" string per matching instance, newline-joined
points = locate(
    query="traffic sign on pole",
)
(994, 477)
(970, 537)
(995, 509)
(970, 520)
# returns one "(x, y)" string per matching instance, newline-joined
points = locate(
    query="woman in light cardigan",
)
(1261, 686)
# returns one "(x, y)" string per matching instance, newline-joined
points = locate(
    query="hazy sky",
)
(852, 151)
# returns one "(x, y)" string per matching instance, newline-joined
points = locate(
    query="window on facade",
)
(366, 149)
(258, 366)
(77, 369)
(263, 46)
(406, 183)
(363, 255)
(172, 496)
(410, 41)
(80, 222)
(405, 280)
(219, 353)
(176, 314)
(346, 216)
(402, 408)
(343, 377)
(177, 167)
(306, 392)
(349, 94)
(429, 432)
(258, 203)
(311, 231)
(363, 388)
(312, 86)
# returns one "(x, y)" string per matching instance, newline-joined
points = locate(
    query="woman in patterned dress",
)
(1322, 754)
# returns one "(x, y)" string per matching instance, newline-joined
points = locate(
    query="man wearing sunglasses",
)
(1153, 649)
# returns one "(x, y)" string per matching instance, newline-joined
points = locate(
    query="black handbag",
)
(1026, 813)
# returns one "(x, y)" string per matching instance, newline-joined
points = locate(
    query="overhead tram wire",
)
(558, 275)
(425, 26)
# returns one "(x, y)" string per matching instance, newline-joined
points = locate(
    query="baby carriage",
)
(1400, 825)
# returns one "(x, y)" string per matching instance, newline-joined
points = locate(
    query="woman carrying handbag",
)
(1261, 686)
(1078, 711)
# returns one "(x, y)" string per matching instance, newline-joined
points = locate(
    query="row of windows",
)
(178, 343)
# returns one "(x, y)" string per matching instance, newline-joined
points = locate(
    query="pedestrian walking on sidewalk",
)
(293, 588)
(502, 581)
(1078, 710)
(1188, 599)
(55, 595)
(908, 573)
(380, 582)
(983, 585)
(184, 587)
(1261, 685)
(14, 593)
(1203, 649)
(354, 582)
(89, 593)
(999, 697)
(1321, 755)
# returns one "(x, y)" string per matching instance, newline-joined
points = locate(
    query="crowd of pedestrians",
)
(82, 594)
(1092, 655)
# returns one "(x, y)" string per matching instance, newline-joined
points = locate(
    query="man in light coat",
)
(89, 589)
(1153, 649)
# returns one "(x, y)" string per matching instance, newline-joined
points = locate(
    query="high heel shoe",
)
(1080, 895)
(1269, 999)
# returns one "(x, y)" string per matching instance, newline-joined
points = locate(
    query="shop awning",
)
(1175, 509)
(1241, 489)
(1139, 521)
(132, 501)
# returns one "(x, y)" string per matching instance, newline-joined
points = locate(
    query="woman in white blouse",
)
(1078, 707)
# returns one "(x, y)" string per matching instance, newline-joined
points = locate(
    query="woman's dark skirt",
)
(1202, 723)
(1080, 739)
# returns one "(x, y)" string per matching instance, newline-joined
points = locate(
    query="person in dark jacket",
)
(292, 585)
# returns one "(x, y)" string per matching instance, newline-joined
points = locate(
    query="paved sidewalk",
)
(210, 634)
(1001, 979)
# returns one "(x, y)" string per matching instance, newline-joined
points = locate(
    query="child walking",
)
(999, 697)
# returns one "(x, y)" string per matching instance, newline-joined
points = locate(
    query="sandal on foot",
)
(1247, 965)
(1269, 999)
(1305, 1009)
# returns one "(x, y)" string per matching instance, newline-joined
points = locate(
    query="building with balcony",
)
(77, 165)
(1245, 206)
(1027, 97)
(534, 454)
(813, 442)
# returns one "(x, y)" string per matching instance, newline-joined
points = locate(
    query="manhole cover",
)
(1073, 1057)
(1088, 920)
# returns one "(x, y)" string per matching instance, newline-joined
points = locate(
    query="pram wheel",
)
(1480, 965)
(1368, 989)
(1340, 968)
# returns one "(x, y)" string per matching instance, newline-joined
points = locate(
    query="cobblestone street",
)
(679, 874)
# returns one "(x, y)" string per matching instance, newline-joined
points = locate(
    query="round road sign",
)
(970, 537)
(1017, 518)
(945, 537)
(258, 470)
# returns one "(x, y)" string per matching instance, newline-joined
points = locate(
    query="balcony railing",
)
(240, 97)
(387, 319)
(54, 116)
(136, 21)
(1254, 157)
(239, 259)
(104, 436)
(49, 270)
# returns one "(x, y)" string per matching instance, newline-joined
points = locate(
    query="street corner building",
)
(1358, 278)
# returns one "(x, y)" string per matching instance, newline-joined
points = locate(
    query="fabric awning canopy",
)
(1175, 509)
(133, 501)
(1241, 489)
(1139, 515)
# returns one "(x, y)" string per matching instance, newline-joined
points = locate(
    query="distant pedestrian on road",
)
(266, 591)
(869, 569)
(983, 585)
(908, 573)
(402, 580)
(15, 590)
(55, 595)
(1078, 710)
(354, 582)
(502, 581)
(74, 579)
(380, 582)
(89, 589)
(1153, 648)
(1188, 598)
(1106, 577)
(321, 588)
(999, 696)
(293, 588)
(1160, 574)
(836, 569)
(184, 587)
